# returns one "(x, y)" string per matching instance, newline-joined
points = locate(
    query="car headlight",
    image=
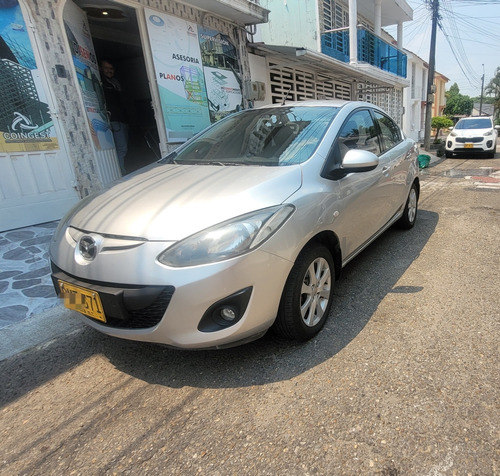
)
(489, 133)
(453, 134)
(227, 240)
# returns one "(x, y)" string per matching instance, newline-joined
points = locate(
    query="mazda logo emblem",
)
(87, 247)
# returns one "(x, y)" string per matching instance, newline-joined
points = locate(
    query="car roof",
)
(473, 118)
(340, 103)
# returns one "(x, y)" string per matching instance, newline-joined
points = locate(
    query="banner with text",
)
(25, 121)
(179, 75)
(87, 73)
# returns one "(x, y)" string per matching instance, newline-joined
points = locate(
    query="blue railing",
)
(371, 49)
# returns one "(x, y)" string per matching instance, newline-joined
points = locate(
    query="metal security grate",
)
(300, 85)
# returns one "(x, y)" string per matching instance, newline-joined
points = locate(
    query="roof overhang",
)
(393, 11)
(330, 67)
(242, 12)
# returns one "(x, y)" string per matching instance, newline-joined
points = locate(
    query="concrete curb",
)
(37, 330)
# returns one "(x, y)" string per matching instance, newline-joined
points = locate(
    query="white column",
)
(353, 31)
(400, 35)
(378, 17)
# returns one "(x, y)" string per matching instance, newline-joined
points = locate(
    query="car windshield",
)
(269, 137)
(479, 123)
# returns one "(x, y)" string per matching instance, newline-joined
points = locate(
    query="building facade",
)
(414, 97)
(331, 49)
(439, 103)
(180, 66)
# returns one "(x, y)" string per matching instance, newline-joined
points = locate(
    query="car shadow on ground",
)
(365, 282)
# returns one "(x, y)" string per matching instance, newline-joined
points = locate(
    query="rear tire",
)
(410, 211)
(307, 296)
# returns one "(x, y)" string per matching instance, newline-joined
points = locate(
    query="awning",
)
(329, 67)
(243, 12)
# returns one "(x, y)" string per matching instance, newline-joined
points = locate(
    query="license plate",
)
(469, 146)
(82, 300)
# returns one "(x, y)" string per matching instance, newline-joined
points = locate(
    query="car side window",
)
(358, 132)
(391, 134)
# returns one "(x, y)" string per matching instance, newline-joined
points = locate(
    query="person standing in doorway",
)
(113, 94)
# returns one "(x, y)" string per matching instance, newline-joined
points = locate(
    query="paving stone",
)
(17, 254)
(19, 235)
(9, 274)
(36, 241)
(33, 249)
(40, 291)
(13, 313)
(26, 283)
(37, 273)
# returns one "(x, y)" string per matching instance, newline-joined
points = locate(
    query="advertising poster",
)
(87, 72)
(221, 71)
(25, 121)
(179, 75)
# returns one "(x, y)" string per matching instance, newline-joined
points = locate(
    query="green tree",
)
(457, 104)
(440, 122)
(493, 89)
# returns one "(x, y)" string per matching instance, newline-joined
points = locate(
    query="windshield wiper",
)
(169, 159)
(222, 164)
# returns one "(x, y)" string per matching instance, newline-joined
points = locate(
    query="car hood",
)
(170, 202)
(471, 132)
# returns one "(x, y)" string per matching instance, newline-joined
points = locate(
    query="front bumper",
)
(130, 307)
(470, 145)
(185, 313)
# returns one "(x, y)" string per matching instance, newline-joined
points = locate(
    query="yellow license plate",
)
(469, 146)
(82, 300)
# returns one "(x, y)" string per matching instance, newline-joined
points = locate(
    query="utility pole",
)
(482, 89)
(430, 79)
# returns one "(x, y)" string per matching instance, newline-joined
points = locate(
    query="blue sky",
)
(471, 27)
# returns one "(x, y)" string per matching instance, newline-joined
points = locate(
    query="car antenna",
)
(286, 95)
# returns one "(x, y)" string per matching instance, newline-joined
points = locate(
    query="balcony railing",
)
(371, 49)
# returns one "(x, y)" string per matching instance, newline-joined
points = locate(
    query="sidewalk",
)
(30, 312)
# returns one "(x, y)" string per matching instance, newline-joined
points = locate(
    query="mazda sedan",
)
(244, 228)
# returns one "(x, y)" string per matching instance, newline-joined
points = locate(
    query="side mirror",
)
(497, 128)
(355, 161)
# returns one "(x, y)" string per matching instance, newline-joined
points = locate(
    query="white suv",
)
(472, 135)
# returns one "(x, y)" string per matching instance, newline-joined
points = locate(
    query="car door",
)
(363, 195)
(394, 156)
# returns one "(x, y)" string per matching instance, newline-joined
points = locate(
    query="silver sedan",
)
(244, 228)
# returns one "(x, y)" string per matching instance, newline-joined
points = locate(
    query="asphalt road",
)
(403, 380)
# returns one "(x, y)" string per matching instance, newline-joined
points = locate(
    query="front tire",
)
(307, 296)
(410, 211)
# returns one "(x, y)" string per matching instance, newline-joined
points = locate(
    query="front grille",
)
(146, 317)
(125, 306)
(474, 140)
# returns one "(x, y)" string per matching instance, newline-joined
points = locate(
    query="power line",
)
(457, 30)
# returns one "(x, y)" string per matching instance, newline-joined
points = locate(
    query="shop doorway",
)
(115, 34)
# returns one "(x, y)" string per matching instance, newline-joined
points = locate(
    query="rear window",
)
(479, 123)
(269, 137)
